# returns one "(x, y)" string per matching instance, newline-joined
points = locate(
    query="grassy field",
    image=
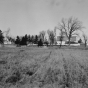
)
(33, 67)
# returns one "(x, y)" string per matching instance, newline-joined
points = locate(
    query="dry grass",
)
(32, 67)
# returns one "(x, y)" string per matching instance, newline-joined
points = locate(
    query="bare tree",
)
(51, 35)
(70, 27)
(55, 35)
(6, 35)
(85, 38)
(61, 36)
(1, 37)
(42, 36)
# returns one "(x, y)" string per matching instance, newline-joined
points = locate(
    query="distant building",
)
(7, 42)
(65, 39)
(73, 38)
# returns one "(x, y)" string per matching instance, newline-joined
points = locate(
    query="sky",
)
(32, 16)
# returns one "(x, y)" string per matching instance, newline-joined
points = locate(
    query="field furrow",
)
(34, 67)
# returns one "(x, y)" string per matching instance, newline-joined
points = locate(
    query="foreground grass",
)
(32, 67)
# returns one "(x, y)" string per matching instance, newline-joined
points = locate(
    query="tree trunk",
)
(60, 44)
(85, 43)
(69, 41)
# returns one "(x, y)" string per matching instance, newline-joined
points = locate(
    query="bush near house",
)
(72, 42)
(40, 43)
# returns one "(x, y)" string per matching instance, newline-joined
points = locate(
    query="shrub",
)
(14, 78)
(40, 43)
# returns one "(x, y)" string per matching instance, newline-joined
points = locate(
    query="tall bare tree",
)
(51, 35)
(70, 27)
(42, 36)
(85, 38)
(61, 36)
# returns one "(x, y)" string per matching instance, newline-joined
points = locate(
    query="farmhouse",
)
(65, 39)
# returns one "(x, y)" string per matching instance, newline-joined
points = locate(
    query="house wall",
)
(74, 38)
(66, 39)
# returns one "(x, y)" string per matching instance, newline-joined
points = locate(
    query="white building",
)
(65, 39)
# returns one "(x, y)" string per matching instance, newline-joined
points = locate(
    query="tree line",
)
(69, 27)
(26, 39)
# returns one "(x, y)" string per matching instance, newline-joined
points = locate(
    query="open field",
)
(33, 67)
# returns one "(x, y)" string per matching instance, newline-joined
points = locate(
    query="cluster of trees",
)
(69, 27)
(51, 37)
(1, 37)
(24, 40)
(32, 39)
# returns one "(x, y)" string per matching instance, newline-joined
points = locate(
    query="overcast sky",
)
(32, 16)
